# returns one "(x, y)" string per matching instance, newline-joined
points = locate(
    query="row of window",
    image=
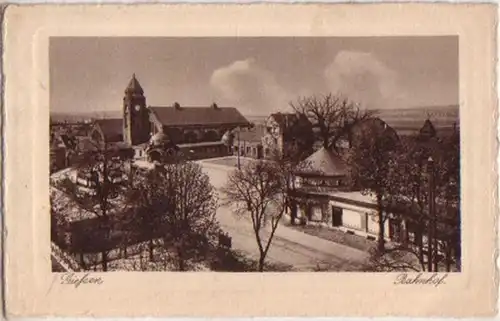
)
(251, 151)
(330, 182)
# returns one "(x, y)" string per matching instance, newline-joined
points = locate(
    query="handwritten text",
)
(78, 279)
(422, 279)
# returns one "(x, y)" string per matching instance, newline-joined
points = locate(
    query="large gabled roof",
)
(287, 120)
(370, 128)
(326, 163)
(183, 116)
(111, 128)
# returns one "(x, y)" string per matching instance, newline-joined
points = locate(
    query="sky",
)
(256, 75)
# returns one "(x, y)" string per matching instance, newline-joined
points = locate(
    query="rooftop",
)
(253, 135)
(428, 129)
(134, 87)
(112, 129)
(325, 162)
(202, 144)
(183, 116)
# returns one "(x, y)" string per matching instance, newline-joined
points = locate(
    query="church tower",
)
(136, 125)
(427, 131)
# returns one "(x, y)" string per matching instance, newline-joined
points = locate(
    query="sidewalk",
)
(322, 245)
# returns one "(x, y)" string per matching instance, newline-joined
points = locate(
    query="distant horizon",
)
(85, 113)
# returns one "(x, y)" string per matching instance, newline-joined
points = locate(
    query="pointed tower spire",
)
(428, 130)
(134, 87)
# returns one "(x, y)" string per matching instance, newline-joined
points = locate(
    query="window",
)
(211, 136)
(394, 229)
(337, 216)
(155, 156)
(316, 213)
(190, 137)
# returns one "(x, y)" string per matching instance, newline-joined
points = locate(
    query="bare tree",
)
(178, 205)
(448, 196)
(144, 198)
(289, 163)
(433, 240)
(334, 116)
(257, 190)
(372, 169)
(102, 177)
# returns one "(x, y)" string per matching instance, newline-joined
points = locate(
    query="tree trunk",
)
(381, 240)
(82, 261)
(104, 255)
(420, 244)
(381, 225)
(430, 251)
(448, 258)
(293, 213)
(261, 263)
(180, 260)
(435, 247)
(151, 250)
(458, 255)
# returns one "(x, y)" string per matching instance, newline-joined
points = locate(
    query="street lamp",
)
(432, 254)
(228, 139)
(239, 151)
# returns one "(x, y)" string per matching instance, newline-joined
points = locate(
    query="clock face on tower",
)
(137, 107)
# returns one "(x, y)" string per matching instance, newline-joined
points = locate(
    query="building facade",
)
(155, 132)
(324, 194)
(281, 133)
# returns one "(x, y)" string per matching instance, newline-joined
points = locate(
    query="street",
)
(301, 251)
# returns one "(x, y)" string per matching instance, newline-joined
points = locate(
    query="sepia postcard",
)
(250, 160)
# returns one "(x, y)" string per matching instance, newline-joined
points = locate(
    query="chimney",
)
(214, 106)
(177, 105)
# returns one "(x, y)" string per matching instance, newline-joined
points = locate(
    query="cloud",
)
(249, 87)
(358, 75)
(365, 80)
